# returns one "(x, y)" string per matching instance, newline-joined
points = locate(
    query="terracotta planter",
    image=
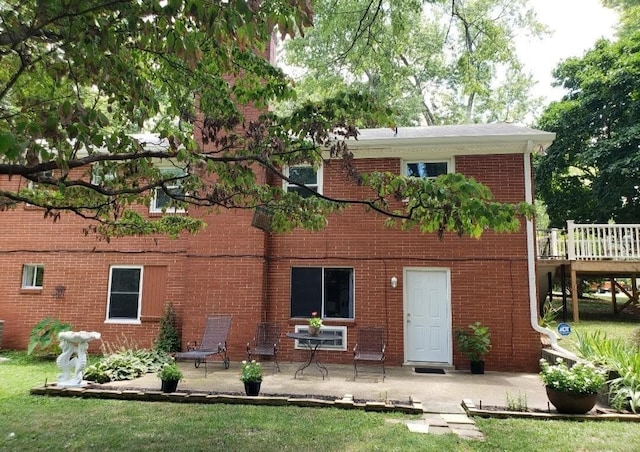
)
(314, 330)
(477, 367)
(252, 388)
(169, 385)
(571, 403)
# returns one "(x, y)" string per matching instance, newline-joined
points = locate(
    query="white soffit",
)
(447, 141)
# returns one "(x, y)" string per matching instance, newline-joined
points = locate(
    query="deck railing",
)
(591, 242)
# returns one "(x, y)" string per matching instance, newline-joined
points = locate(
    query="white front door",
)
(427, 315)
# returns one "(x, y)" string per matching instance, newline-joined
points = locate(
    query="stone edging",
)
(472, 410)
(346, 402)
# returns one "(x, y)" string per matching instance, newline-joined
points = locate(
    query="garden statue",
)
(73, 359)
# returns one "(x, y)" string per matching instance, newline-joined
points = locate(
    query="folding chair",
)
(265, 342)
(214, 342)
(369, 348)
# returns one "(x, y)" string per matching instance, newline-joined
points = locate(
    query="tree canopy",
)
(80, 79)
(591, 173)
(436, 62)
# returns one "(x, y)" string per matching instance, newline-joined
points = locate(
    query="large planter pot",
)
(169, 385)
(571, 403)
(252, 388)
(477, 367)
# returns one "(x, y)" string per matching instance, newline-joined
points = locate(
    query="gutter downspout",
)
(531, 259)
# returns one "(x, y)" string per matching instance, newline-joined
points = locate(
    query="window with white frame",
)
(125, 294)
(426, 169)
(100, 174)
(303, 174)
(32, 276)
(44, 174)
(165, 202)
(327, 291)
(338, 343)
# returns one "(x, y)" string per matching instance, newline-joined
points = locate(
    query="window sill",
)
(31, 290)
(123, 321)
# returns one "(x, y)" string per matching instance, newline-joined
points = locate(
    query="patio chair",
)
(265, 342)
(214, 342)
(369, 349)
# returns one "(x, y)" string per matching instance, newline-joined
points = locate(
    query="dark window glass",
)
(426, 169)
(125, 293)
(328, 291)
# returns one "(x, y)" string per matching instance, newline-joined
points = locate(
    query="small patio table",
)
(312, 343)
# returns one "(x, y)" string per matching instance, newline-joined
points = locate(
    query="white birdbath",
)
(73, 358)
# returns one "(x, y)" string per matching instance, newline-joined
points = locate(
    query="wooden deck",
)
(597, 250)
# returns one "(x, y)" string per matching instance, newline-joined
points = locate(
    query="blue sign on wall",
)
(564, 329)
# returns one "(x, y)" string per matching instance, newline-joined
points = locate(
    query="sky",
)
(576, 25)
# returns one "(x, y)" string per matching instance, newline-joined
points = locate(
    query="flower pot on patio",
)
(571, 403)
(252, 388)
(169, 385)
(477, 367)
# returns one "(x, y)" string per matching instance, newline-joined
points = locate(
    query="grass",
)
(597, 314)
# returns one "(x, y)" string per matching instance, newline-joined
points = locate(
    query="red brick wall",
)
(221, 269)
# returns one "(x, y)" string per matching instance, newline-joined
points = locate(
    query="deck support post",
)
(574, 296)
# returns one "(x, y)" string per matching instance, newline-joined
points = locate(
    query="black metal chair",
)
(265, 342)
(214, 342)
(369, 349)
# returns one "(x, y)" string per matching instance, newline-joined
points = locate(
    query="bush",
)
(623, 359)
(168, 339)
(44, 336)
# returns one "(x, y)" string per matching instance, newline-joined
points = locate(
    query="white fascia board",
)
(442, 147)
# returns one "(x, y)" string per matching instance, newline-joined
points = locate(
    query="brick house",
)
(355, 272)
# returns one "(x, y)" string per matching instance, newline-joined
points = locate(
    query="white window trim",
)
(450, 164)
(323, 346)
(139, 313)
(319, 177)
(152, 205)
(32, 284)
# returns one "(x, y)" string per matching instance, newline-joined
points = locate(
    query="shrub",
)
(168, 339)
(623, 359)
(44, 336)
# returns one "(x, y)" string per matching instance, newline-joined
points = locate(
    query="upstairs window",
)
(426, 169)
(303, 174)
(32, 276)
(327, 291)
(125, 294)
(161, 201)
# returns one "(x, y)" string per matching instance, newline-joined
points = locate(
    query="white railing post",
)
(571, 249)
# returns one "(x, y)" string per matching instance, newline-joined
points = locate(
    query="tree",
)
(79, 78)
(591, 172)
(435, 62)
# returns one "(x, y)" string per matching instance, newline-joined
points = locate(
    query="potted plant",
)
(315, 323)
(572, 390)
(474, 343)
(251, 376)
(170, 375)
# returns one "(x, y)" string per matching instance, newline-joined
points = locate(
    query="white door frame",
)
(405, 302)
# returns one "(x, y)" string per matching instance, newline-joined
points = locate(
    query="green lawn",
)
(596, 313)
(49, 423)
